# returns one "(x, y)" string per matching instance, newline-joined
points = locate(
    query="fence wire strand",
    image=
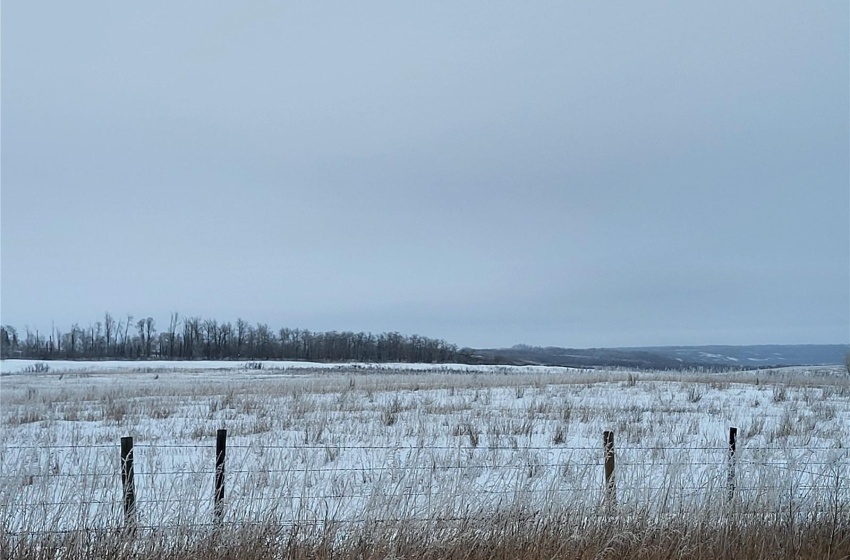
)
(803, 475)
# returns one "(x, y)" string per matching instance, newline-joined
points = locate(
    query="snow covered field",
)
(315, 443)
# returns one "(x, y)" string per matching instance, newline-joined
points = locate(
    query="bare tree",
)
(225, 336)
(172, 333)
(242, 328)
(74, 338)
(126, 335)
(108, 330)
(191, 336)
(210, 338)
(213, 340)
(140, 325)
(8, 341)
(150, 329)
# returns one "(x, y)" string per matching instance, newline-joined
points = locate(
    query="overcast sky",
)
(492, 173)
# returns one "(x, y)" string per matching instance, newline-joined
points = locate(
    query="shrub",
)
(694, 394)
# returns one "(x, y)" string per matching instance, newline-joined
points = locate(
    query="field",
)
(408, 461)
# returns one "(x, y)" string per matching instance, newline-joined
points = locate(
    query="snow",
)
(717, 356)
(11, 367)
(309, 442)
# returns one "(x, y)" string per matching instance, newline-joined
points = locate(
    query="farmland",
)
(422, 458)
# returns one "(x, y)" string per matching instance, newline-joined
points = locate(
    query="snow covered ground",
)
(12, 367)
(311, 443)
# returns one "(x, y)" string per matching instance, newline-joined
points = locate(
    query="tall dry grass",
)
(303, 440)
(515, 537)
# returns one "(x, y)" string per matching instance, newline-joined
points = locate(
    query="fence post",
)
(220, 452)
(127, 480)
(610, 484)
(730, 477)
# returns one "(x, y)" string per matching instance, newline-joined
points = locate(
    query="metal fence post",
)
(220, 453)
(610, 481)
(730, 477)
(127, 480)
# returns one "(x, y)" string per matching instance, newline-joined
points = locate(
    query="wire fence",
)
(51, 489)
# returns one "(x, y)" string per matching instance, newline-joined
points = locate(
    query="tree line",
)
(193, 338)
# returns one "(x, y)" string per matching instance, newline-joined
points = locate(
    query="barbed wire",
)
(400, 469)
(406, 494)
(305, 468)
(484, 447)
(600, 512)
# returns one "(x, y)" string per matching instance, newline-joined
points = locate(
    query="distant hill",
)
(755, 356)
(671, 357)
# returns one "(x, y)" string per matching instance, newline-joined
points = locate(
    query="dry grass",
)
(536, 436)
(515, 536)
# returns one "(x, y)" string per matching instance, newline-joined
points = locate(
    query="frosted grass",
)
(352, 444)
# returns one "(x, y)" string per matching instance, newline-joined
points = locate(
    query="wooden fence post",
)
(730, 477)
(127, 480)
(220, 452)
(610, 483)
